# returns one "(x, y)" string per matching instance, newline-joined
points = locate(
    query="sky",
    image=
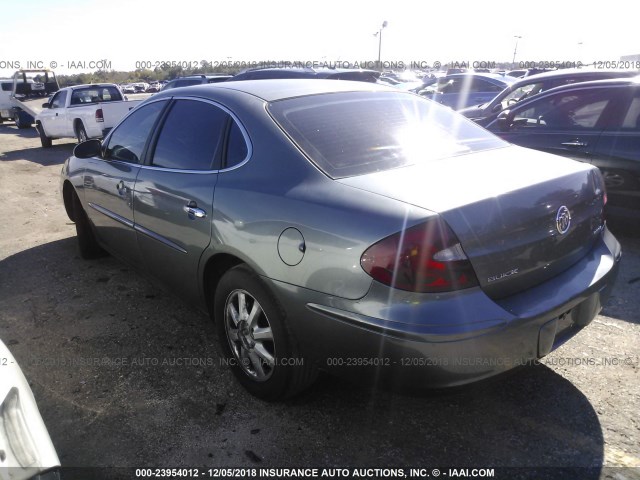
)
(70, 34)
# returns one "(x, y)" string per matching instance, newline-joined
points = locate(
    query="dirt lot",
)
(145, 402)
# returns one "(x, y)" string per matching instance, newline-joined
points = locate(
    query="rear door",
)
(109, 181)
(617, 154)
(567, 123)
(174, 192)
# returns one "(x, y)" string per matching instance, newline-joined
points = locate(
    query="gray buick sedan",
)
(347, 227)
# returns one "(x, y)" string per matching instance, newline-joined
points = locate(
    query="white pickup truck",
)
(82, 111)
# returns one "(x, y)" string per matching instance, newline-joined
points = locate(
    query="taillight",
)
(425, 258)
(99, 115)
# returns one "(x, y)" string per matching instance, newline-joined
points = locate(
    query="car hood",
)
(506, 206)
(23, 435)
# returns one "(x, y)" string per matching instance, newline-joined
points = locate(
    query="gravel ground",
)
(145, 403)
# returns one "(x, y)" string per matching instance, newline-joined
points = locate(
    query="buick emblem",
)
(563, 220)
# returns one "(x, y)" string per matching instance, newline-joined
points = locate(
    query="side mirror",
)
(126, 99)
(88, 149)
(504, 120)
(46, 105)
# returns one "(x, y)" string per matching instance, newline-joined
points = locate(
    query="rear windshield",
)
(96, 94)
(356, 133)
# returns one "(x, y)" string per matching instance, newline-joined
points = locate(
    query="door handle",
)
(193, 211)
(574, 143)
(121, 188)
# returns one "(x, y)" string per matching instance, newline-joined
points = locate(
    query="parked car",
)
(82, 111)
(154, 87)
(594, 122)
(532, 85)
(26, 450)
(128, 89)
(461, 90)
(310, 218)
(195, 80)
(360, 75)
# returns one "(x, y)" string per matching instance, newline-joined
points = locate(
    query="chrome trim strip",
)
(113, 216)
(159, 238)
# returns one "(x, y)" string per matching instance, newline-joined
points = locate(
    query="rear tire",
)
(81, 133)
(22, 120)
(256, 340)
(44, 140)
(87, 242)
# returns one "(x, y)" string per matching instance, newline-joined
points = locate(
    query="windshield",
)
(356, 133)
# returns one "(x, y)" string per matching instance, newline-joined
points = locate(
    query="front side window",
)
(356, 133)
(128, 140)
(191, 136)
(59, 99)
(566, 111)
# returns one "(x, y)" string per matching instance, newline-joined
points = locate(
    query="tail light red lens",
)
(99, 115)
(425, 258)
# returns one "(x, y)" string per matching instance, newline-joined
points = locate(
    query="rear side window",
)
(237, 149)
(127, 141)
(355, 133)
(632, 117)
(7, 86)
(191, 136)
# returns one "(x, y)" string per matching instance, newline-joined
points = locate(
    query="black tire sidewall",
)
(87, 243)
(241, 277)
(78, 130)
(44, 140)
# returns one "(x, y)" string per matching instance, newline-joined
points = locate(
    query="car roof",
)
(487, 76)
(570, 72)
(271, 90)
(608, 82)
(89, 85)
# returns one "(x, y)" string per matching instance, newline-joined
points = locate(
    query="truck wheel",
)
(81, 133)
(23, 120)
(44, 140)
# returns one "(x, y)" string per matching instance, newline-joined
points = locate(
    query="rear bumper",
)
(447, 340)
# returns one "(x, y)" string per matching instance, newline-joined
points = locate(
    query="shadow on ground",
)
(106, 352)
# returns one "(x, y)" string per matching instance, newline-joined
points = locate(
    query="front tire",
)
(44, 140)
(87, 242)
(255, 339)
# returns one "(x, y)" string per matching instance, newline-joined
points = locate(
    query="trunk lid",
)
(521, 216)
